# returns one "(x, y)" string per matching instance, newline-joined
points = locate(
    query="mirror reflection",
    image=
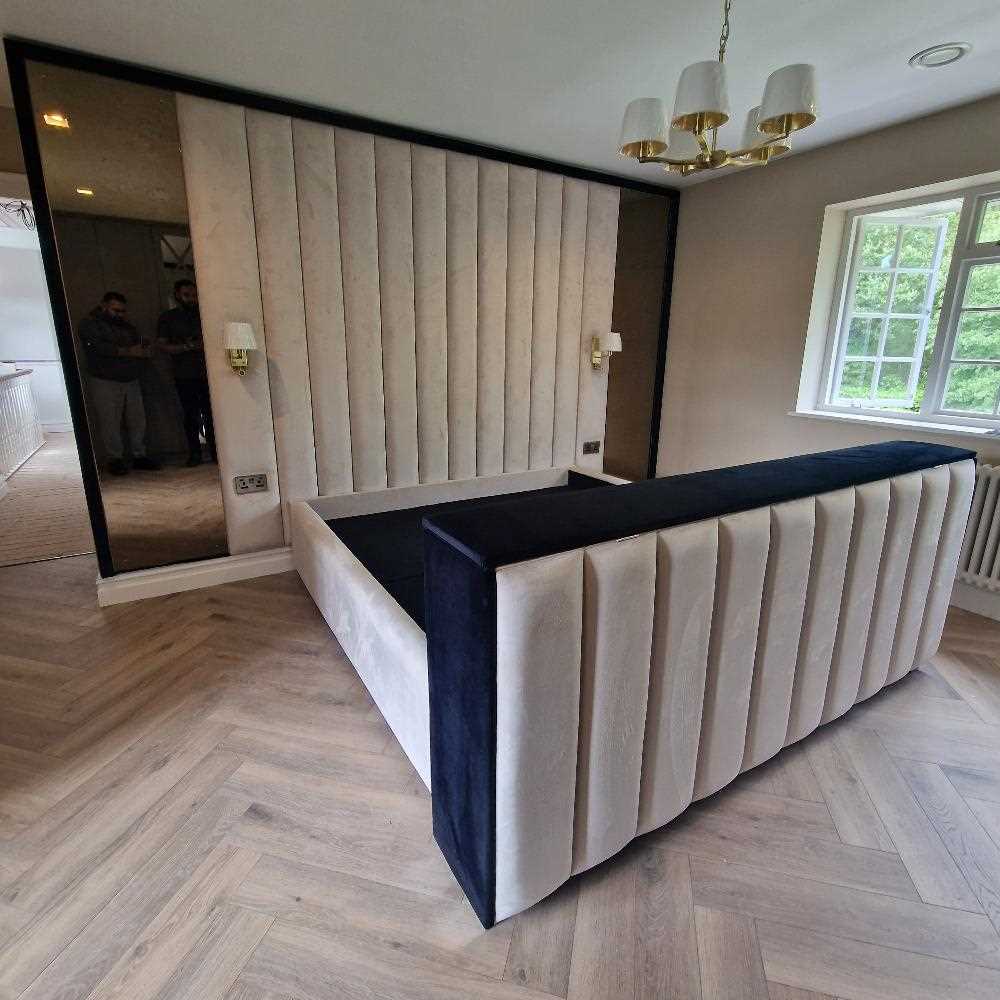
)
(114, 178)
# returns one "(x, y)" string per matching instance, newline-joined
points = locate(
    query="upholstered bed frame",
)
(571, 667)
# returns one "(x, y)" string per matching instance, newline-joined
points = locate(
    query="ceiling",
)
(123, 145)
(548, 77)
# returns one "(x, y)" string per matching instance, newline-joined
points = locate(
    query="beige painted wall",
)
(746, 259)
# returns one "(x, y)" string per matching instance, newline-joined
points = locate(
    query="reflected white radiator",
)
(979, 563)
(20, 432)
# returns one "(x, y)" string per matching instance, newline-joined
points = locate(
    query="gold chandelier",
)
(701, 106)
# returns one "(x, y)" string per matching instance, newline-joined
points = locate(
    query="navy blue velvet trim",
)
(531, 527)
(461, 620)
(390, 544)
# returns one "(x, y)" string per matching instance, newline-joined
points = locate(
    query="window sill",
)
(930, 427)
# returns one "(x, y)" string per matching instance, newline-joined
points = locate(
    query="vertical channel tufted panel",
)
(570, 319)
(427, 168)
(619, 578)
(743, 546)
(439, 307)
(492, 316)
(545, 319)
(217, 178)
(871, 511)
(962, 481)
(904, 501)
(926, 536)
(785, 585)
(831, 543)
(359, 262)
(272, 179)
(598, 295)
(520, 292)
(685, 592)
(394, 207)
(462, 222)
(323, 294)
(539, 627)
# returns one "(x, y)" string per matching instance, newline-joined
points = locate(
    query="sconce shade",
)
(240, 337)
(789, 99)
(614, 342)
(644, 128)
(702, 101)
(753, 137)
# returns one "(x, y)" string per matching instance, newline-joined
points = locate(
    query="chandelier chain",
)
(727, 6)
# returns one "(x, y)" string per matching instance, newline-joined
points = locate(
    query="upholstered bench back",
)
(598, 663)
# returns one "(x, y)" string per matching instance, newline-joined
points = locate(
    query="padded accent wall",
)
(217, 176)
(428, 314)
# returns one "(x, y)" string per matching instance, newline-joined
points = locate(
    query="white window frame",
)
(965, 254)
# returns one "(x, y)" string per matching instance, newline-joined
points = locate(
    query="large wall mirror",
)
(111, 159)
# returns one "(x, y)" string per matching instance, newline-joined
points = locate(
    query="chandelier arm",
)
(667, 161)
(771, 141)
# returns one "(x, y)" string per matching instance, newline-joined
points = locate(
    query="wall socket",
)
(256, 483)
(591, 447)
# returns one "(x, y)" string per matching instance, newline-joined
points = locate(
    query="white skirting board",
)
(976, 599)
(191, 576)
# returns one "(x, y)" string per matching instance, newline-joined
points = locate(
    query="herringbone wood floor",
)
(198, 799)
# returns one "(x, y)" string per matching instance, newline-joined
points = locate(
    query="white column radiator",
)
(20, 432)
(979, 562)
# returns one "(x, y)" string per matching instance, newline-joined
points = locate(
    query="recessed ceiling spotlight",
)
(940, 55)
(55, 119)
(86, 192)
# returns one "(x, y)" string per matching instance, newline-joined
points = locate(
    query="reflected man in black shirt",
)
(179, 334)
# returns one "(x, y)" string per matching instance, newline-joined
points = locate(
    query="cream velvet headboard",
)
(426, 315)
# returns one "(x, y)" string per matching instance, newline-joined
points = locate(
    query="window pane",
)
(972, 388)
(989, 227)
(917, 247)
(872, 291)
(983, 288)
(856, 379)
(879, 244)
(863, 336)
(979, 335)
(893, 380)
(901, 340)
(910, 294)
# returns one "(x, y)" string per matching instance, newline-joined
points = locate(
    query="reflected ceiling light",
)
(688, 140)
(940, 55)
(55, 119)
(86, 192)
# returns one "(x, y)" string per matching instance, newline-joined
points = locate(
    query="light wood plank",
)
(932, 868)
(731, 966)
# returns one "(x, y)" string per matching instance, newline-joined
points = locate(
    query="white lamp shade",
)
(683, 145)
(754, 139)
(614, 342)
(644, 128)
(789, 99)
(752, 135)
(702, 101)
(239, 337)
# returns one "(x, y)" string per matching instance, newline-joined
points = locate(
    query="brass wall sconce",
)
(597, 353)
(239, 340)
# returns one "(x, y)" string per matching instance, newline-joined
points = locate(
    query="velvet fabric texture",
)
(390, 544)
(463, 548)
(533, 526)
